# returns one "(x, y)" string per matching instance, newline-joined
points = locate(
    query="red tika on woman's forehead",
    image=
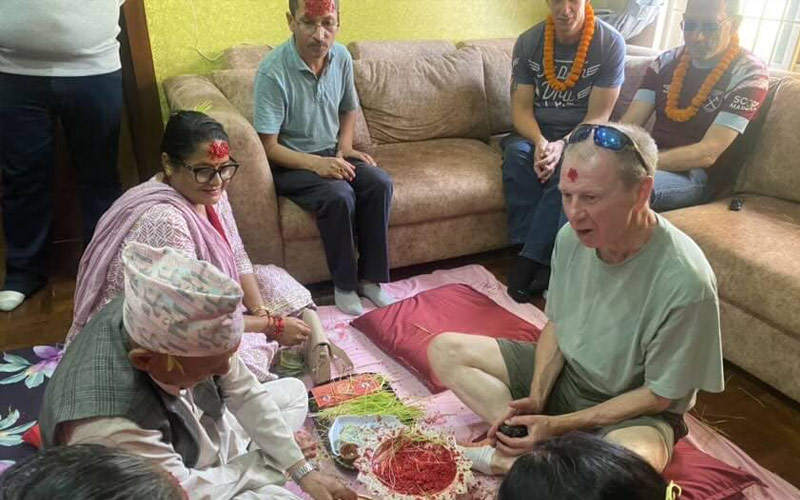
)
(317, 8)
(218, 150)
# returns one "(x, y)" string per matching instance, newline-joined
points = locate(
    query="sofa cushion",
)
(416, 100)
(772, 168)
(433, 180)
(496, 55)
(753, 253)
(238, 84)
(244, 56)
(504, 44)
(635, 69)
(399, 49)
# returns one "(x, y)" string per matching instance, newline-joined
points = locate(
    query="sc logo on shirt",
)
(744, 104)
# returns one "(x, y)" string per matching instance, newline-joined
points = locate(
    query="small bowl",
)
(348, 452)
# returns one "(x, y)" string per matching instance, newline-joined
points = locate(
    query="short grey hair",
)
(631, 170)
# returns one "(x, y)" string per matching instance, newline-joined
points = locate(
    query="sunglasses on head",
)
(607, 137)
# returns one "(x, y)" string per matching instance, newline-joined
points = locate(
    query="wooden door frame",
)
(140, 88)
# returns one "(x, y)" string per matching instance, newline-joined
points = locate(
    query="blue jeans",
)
(675, 190)
(89, 108)
(534, 209)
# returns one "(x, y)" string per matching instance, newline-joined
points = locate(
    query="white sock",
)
(10, 300)
(348, 302)
(480, 456)
(376, 294)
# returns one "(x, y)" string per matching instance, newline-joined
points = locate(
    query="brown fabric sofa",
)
(433, 113)
(427, 123)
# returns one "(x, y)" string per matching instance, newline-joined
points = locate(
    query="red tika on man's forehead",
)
(572, 174)
(317, 8)
(218, 150)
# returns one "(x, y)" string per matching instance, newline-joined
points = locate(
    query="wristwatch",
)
(301, 472)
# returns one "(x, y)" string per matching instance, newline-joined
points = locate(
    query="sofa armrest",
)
(252, 191)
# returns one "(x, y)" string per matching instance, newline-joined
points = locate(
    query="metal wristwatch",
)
(301, 472)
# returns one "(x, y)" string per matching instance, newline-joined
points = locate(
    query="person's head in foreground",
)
(195, 157)
(579, 466)
(182, 315)
(87, 472)
(314, 24)
(606, 182)
(708, 27)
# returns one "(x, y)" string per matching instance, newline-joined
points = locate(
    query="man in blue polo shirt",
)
(305, 107)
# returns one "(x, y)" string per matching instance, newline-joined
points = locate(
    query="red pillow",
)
(404, 329)
(703, 477)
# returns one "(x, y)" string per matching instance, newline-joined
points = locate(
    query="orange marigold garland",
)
(580, 57)
(684, 115)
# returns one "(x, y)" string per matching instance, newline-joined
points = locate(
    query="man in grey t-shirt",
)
(544, 113)
(633, 329)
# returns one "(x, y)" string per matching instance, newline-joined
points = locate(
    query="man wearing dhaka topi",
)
(155, 373)
(566, 71)
(704, 93)
(305, 107)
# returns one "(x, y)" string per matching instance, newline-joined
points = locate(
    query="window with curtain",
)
(770, 29)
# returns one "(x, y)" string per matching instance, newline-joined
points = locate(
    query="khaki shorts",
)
(567, 396)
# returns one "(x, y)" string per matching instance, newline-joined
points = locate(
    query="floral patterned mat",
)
(23, 377)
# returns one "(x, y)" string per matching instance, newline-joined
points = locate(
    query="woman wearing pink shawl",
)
(185, 207)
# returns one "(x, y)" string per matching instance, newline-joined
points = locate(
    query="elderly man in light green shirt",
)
(634, 320)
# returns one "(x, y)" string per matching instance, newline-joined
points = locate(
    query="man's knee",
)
(645, 441)
(296, 392)
(518, 152)
(379, 181)
(447, 352)
(340, 197)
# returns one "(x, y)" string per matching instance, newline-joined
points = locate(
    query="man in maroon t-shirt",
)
(688, 148)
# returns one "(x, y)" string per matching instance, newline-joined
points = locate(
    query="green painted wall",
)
(188, 36)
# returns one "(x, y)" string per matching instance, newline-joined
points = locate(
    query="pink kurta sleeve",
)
(226, 214)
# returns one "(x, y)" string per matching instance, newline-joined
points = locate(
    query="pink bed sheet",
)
(445, 410)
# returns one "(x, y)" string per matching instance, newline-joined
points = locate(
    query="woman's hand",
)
(295, 332)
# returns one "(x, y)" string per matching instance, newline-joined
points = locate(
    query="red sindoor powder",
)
(414, 468)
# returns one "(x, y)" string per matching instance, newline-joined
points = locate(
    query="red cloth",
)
(404, 329)
(703, 477)
(33, 437)
(213, 218)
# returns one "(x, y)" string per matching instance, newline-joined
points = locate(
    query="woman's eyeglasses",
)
(607, 137)
(204, 174)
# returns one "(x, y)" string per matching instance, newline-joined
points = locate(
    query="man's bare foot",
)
(306, 443)
(486, 459)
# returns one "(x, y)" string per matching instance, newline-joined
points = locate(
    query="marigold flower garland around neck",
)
(676, 86)
(580, 57)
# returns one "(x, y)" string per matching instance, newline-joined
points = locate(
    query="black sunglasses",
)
(607, 137)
